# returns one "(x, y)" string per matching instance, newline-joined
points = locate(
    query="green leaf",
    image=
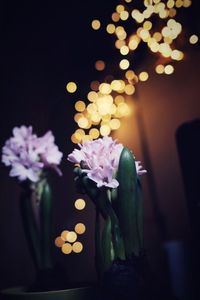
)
(46, 225)
(106, 243)
(99, 262)
(117, 241)
(127, 202)
(30, 227)
(96, 195)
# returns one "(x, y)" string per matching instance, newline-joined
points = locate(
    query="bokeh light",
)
(64, 235)
(120, 8)
(187, 3)
(193, 39)
(143, 76)
(169, 69)
(147, 25)
(77, 247)
(129, 89)
(74, 139)
(100, 65)
(80, 204)
(160, 69)
(133, 42)
(119, 44)
(59, 242)
(92, 96)
(115, 17)
(115, 124)
(83, 122)
(94, 133)
(130, 74)
(96, 24)
(124, 50)
(71, 87)
(110, 28)
(105, 88)
(119, 99)
(80, 106)
(71, 236)
(66, 248)
(94, 85)
(124, 15)
(80, 228)
(105, 130)
(170, 3)
(124, 64)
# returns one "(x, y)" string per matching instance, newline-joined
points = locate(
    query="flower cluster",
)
(100, 159)
(28, 155)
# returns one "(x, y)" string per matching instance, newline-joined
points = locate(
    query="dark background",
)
(43, 46)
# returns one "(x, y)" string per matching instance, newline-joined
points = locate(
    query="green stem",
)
(127, 203)
(36, 208)
(46, 225)
(106, 243)
(30, 227)
(116, 232)
(95, 195)
(98, 253)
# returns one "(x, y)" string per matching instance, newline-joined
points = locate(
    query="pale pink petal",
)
(112, 184)
(23, 173)
(76, 156)
(139, 169)
(28, 155)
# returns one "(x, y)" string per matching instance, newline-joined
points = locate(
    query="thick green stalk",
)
(95, 195)
(46, 225)
(117, 240)
(127, 202)
(111, 243)
(106, 243)
(36, 207)
(99, 261)
(30, 227)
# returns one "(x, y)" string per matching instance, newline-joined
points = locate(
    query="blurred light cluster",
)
(106, 106)
(159, 34)
(67, 240)
(156, 27)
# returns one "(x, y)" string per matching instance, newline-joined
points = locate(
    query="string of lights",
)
(67, 240)
(156, 27)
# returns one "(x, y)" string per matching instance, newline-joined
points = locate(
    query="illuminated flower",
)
(103, 176)
(100, 159)
(48, 151)
(28, 155)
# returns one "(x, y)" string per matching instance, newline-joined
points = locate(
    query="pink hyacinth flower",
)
(28, 155)
(100, 160)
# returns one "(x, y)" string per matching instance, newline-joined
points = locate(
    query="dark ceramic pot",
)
(128, 279)
(132, 279)
(19, 293)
